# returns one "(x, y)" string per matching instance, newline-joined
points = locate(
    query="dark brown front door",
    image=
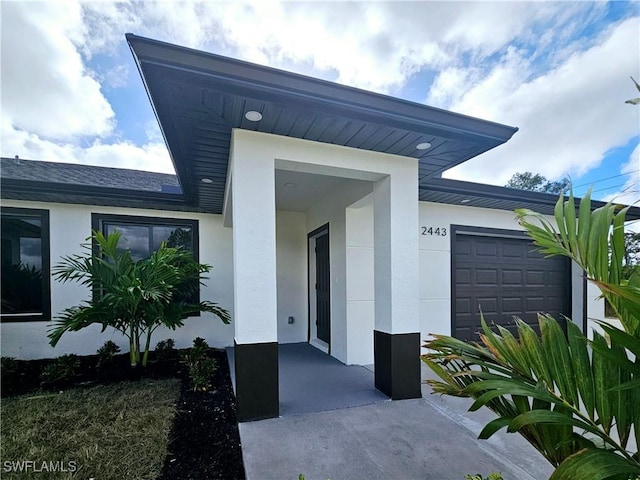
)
(323, 298)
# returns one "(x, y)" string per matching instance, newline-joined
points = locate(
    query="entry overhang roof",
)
(199, 97)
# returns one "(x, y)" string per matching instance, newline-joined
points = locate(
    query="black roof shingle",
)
(77, 174)
(90, 185)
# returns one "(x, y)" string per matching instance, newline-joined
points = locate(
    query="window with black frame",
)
(25, 278)
(144, 235)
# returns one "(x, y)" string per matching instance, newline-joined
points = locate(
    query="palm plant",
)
(634, 101)
(133, 297)
(576, 401)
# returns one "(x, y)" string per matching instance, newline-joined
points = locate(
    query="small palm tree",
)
(133, 297)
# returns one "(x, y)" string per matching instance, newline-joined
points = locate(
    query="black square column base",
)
(256, 366)
(397, 364)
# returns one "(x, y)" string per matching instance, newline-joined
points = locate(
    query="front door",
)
(323, 297)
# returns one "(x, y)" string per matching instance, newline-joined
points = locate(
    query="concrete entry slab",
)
(312, 381)
(429, 438)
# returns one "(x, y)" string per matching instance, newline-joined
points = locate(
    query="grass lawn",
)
(112, 431)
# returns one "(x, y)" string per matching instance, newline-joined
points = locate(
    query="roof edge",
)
(447, 185)
(35, 186)
(179, 57)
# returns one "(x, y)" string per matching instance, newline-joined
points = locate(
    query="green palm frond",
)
(563, 390)
(133, 297)
(634, 101)
(576, 401)
(595, 241)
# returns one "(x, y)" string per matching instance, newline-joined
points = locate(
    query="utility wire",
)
(635, 184)
(606, 178)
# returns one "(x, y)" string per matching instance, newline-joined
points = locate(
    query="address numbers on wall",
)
(438, 231)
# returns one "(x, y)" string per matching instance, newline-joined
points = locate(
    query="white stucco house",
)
(322, 210)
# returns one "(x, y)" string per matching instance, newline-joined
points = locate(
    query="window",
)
(143, 235)
(25, 289)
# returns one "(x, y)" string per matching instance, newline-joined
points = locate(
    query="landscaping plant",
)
(201, 366)
(491, 476)
(133, 297)
(576, 401)
(8, 371)
(62, 369)
(8, 365)
(106, 352)
(165, 349)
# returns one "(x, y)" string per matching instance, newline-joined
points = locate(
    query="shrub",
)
(62, 369)
(106, 352)
(8, 372)
(165, 349)
(8, 365)
(491, 476)
(200, 344)
(201, 367)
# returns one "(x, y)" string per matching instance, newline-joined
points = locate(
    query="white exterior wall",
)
(435, 261)
(360, 282)
(70, 225)
(291, 260)
(332, 210)
(352, 273)
(595, 307)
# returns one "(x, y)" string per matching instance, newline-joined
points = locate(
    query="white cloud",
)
(115, 77)
(46, 88)
(105, 24)
(569, 117)
(372, 45)
(53, 107)
(486, 57)
(629, 194)
(152, 156)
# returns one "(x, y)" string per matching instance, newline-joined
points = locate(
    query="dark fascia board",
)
(179, 167)
(362, 103)
(471, 189)
(15, 189)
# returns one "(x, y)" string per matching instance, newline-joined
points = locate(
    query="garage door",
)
(505, 278)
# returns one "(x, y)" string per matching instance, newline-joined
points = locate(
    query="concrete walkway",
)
(429, 438)
(312, 381)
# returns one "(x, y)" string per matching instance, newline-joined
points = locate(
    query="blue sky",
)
(557, 70)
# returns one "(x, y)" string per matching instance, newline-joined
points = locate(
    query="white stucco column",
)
(396, 253)
(254, 245)
(254, 280)
(397, 317)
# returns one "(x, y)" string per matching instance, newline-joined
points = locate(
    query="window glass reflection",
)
(22, 282)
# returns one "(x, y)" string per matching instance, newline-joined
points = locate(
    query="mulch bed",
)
(204, 442)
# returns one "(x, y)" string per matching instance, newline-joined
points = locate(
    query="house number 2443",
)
(439, 231)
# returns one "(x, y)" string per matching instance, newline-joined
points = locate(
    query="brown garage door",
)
(505, 278)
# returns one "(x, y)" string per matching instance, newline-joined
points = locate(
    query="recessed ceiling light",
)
(206, 180)
(290, 185)
(253, 116)
(466, 200)
(423, 146)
